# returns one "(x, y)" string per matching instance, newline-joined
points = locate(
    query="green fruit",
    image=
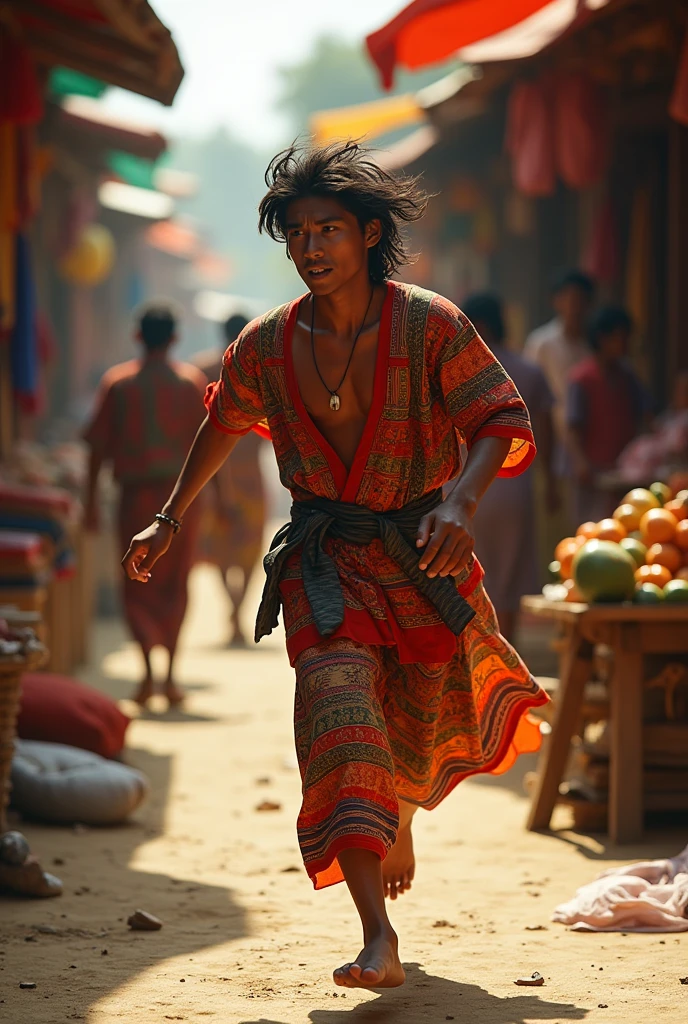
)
(636, 535)
(555, 570)
(603, 571)
(649, 593)
(676, 592)
(661, 492)
(636, 549)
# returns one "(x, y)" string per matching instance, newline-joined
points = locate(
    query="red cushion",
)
(57, 709)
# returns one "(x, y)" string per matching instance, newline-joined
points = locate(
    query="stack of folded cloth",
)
(24, 561)
(46, 511)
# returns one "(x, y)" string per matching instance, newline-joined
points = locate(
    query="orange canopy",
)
(429, 31)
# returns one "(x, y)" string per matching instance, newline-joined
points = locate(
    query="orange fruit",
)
(678, 507)
(665, 554)
(564, 553)
(681, 535)
(587, 530)
(641, 498)
(629, 517)
(682, 573)
(572, 592)
(611, 529)
(658, 574)
(658, 526)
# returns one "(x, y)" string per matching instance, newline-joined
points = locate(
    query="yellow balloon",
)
(90, 261)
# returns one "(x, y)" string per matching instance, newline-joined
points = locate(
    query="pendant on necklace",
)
(334, 402)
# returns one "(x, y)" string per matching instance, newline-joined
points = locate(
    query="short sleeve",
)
(480, 396)
(235, 402)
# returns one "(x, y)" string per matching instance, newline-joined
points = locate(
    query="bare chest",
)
(337, 399)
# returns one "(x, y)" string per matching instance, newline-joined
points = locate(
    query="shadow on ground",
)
(79, 943)
(426, 997)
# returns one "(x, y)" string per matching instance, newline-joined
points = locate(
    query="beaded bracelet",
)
(162, 517)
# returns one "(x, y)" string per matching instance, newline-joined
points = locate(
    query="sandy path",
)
(246, 940)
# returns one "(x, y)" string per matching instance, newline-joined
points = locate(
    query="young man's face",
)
(327, 244)
(572, 304)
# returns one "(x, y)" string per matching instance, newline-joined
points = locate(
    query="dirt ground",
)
(246, 940)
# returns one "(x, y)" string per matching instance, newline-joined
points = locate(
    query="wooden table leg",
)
(626, 738)
(576, 667)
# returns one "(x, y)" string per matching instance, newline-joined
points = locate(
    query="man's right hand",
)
(145, 549)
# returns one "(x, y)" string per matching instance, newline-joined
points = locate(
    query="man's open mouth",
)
(319, 271)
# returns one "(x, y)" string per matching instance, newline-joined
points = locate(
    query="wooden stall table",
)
(632, 631)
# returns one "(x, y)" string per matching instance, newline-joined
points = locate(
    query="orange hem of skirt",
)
(326, 871)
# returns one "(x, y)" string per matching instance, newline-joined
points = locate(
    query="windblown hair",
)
(345, 171)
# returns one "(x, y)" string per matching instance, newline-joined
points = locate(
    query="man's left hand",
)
(446, 534)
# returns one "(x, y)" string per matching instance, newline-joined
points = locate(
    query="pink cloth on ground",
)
(651, 896)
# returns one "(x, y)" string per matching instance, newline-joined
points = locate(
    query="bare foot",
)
(376, 966)
(175, 696)
(399, 866)
(144, 692)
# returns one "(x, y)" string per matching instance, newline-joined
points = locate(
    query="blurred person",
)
(376, 395)
(560, 345)
(606, 408)
(664, 448)
(146, 414)
(234, 518)
(508, 551)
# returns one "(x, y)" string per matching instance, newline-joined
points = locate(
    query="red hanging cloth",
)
(581, 128)
(530, 139)
(21, 96)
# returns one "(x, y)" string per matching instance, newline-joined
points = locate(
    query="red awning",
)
(429, 31)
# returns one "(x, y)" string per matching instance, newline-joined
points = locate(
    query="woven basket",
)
(11, 670)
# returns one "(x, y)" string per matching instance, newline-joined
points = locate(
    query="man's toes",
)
(393, 891)
(355, 971)
(341, 975)
(372, 975)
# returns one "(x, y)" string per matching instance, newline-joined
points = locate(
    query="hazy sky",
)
(231, 50)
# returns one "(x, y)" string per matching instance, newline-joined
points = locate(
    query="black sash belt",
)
(312, 521)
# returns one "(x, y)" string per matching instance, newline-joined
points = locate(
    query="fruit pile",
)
(640, 554)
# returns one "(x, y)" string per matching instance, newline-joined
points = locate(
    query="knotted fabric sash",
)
(314, 520)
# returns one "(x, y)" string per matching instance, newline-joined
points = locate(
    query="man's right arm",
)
(209, 450)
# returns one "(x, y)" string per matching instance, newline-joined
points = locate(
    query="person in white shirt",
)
(560, 345)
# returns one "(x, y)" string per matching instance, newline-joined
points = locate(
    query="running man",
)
(376, 394)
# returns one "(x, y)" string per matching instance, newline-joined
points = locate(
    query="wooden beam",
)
(148, 66)
(677, 261)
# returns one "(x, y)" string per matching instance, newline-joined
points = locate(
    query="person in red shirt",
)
(146, 415)
(606, 405)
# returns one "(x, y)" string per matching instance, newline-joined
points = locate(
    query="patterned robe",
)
(146, 415)
(437, 390)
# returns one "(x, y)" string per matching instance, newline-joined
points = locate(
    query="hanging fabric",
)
(581, 131)
(530, 139)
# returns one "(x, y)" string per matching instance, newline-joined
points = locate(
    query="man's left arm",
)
(448, 530)
(489, 413)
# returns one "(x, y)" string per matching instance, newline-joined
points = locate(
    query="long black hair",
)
(346, 172)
